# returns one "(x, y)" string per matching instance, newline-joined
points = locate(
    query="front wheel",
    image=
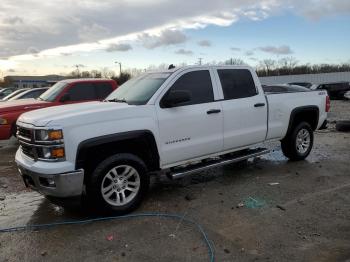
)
(118, 184)
(298, 143)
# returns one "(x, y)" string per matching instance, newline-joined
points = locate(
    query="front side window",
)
(237, 83)
(197, 84)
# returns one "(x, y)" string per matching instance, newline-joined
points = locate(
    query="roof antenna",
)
(171, 66)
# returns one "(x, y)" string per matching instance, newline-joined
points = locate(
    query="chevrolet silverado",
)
(174, 122)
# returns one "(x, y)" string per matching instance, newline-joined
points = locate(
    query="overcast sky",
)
(41, 37)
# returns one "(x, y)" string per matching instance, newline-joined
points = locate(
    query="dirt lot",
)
(312, 222)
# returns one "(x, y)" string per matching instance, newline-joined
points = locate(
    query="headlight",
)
(3, 121)
(52, 153)
(48, 135)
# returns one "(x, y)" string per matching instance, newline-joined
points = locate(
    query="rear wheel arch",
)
(140, 143)
(308, 114)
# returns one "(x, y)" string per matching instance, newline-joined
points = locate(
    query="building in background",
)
(32, 81)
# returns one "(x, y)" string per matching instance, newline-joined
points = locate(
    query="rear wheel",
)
(298, 143)
(118, 184)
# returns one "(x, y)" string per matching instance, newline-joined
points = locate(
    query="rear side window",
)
(198, 84)
(82, 91)
(237, 83)
(103, 89)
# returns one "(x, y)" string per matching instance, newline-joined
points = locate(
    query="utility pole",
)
(200, 61)
(120, 67)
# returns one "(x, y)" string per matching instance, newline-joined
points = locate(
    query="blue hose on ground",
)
(76, 222)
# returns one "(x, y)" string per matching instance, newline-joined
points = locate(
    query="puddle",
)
(28, 208)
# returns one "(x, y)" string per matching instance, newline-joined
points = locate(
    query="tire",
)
(14, 130)
(298, 142)
(342, 126)
(117, 185)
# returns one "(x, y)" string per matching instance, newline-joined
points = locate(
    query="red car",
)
(64, 92)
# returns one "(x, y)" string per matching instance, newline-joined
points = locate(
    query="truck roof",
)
(200, 66)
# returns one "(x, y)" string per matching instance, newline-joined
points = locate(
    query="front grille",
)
(28, 150)
(24, 133)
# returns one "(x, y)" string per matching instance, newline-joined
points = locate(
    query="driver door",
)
(194, 128)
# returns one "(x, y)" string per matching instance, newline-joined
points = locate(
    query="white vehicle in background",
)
(29, 93)
(15, 93)
(176, 122)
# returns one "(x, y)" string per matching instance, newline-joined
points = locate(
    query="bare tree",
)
(234, 61)
(95, 74)
(268, 65)
(107, 73)
(287, 64)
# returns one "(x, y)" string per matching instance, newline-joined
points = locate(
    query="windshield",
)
(51, 94)
(139, 90)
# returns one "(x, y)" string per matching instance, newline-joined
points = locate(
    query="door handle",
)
(259, 105)
(213, 111)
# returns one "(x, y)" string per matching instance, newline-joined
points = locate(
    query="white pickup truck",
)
(176, 122)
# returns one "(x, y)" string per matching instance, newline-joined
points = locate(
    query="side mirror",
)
(174, 98)
(65, 98)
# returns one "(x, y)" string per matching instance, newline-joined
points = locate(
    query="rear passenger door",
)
(244, 108)
(194, 128)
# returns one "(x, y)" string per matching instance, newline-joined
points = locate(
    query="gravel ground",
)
(304, 217)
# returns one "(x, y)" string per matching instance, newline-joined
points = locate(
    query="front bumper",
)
(61, 185)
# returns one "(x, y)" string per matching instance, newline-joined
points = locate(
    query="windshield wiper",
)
(117, 100)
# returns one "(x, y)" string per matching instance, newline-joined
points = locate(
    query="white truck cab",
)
(178, 121)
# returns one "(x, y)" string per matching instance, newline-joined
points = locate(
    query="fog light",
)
(47, 182)
(51, 182)
(57, 153)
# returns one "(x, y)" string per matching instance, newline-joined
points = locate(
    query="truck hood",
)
(22, 104)
(71, 114)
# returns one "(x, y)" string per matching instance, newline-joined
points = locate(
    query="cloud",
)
(249, 53)
(118, 47)
(93, 32)
(235, 49)
(317, 9)
(277, 50)
(32, 50)
(165, 38)
(66, 54)
(65, 26)
(184, 52)
(205, 43)
(12, 20)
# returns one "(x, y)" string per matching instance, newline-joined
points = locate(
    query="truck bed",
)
(282, 103)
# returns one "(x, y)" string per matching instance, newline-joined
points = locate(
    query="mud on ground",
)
(305, 217)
